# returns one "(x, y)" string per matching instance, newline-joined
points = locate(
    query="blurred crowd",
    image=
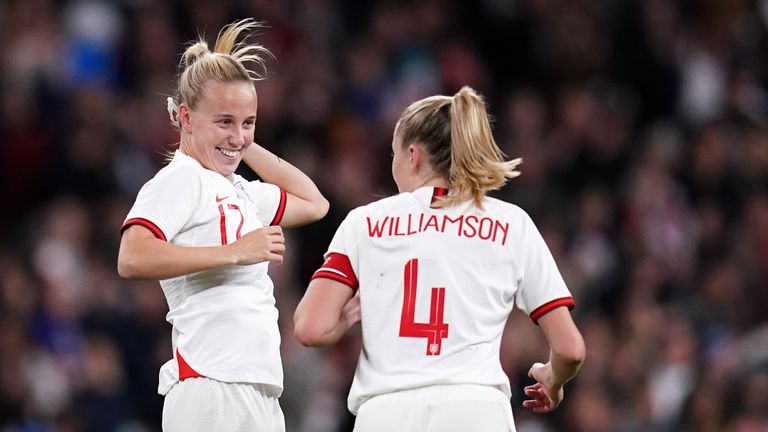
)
(643, 125)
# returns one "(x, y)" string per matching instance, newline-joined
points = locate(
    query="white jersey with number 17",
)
(436, 288)
(224, 319)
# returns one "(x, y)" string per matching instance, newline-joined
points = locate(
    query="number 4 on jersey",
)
(436, 329)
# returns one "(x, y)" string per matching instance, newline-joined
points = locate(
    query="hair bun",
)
(195, 52)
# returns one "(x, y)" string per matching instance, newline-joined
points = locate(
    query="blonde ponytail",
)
(477, 163)
(456, 134)
(226, 63)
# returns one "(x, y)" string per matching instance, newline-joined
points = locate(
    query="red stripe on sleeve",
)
(148, 224)
(550, 306)
(280, 209)
(337, 267)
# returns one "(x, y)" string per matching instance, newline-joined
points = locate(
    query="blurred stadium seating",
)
(642, 124)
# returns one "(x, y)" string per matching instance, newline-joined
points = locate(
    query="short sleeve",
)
(270, 200)
(342, 256)
(541, 288)
(166, 203)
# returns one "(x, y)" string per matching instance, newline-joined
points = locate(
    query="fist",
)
(265, 244)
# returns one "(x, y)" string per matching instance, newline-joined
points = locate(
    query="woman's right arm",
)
(567, 352)
(144, 256)
(327, 311)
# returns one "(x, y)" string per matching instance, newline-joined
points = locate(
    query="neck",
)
(185, 146)
(433, 180)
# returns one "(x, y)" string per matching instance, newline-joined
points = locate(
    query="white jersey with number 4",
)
(436, 288)
(224, 319)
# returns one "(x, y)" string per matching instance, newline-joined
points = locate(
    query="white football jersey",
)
(436, 288)
(224, 319)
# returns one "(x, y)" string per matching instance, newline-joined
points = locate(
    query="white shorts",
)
(443, 408)
(206, 405)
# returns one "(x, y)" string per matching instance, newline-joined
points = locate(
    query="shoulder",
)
(386, 205)
(358, 215)
(179, 178)
(394, 202)
(181, 169)
(254, 185)
(503, 209)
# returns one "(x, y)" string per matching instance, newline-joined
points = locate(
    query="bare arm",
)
(144, 256)
(305, 203)
(327, 311)
(567, 352)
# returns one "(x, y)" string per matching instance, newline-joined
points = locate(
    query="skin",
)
(410, 167)
(219, 133)
(219, 130)
(566, 355)
(329, 308)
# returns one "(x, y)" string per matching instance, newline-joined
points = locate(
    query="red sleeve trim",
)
(148, 224)
(333, 276)
(185, 370)
(337, 267)
(550, 306)
(280, 209)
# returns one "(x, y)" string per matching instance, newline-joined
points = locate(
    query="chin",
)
(228, 169)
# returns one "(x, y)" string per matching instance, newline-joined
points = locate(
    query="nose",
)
(238, 137)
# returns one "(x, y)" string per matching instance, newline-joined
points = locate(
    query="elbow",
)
(320, 208)
(128, 268)
(309, 335)
(304, 334)
(125, 270)
(572, 353)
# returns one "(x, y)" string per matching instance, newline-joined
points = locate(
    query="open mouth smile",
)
(231, 154)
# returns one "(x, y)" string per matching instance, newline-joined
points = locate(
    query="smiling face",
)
(221, 127)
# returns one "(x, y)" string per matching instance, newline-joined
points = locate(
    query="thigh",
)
(190, 406)
(262, 408)
(389, 412)
(205, 405)
(443, 408)
(472, 415)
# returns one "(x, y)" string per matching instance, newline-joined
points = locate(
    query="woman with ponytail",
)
(432, 275)
(208, 235)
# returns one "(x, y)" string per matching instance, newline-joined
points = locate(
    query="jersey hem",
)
(185, 370)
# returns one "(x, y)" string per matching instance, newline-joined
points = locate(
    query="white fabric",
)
(224, 320)
(482, 261)
(442, 408)
(204, 405)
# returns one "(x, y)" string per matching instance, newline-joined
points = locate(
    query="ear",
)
(185, 118)
(416, 157)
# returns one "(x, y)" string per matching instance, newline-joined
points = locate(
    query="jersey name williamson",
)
(468, 226)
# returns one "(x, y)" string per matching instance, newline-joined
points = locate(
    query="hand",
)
(265, 244)
(351, 310)
(545, 396)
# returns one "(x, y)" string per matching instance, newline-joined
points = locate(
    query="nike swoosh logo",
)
(221, 199)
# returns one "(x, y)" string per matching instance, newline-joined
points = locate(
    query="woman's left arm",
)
(305, 203)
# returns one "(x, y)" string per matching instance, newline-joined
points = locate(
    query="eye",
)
(249, 123)
(224, 122)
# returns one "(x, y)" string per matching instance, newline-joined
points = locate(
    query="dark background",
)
(643, 129)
